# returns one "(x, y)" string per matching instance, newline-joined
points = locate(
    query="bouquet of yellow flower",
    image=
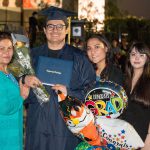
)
(21, 65)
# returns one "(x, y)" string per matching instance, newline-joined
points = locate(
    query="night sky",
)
(140, 8)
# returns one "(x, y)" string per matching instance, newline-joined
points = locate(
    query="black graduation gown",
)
(46, 129)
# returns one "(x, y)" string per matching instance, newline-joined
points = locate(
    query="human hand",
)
(60, 87)
(24, 89)
(32, 81)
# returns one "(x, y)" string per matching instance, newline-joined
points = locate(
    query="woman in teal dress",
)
(11, 100)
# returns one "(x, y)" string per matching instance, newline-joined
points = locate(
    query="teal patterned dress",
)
(11, 114)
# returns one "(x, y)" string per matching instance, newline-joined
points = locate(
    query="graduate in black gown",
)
(45, 128)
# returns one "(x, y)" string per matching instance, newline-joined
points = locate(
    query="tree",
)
(111, 9)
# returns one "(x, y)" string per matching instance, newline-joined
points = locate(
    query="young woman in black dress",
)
(137, 85)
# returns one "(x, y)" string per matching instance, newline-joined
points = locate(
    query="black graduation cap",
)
(55, 13)
(51, 9)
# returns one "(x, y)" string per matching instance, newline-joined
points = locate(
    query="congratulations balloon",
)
(118, 134)
(107, 99)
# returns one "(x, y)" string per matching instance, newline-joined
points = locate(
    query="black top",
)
(138, 115)
(112, 73)
(53, 53)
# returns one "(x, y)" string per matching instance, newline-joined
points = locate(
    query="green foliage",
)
(111, 9)
(118, 22)
(136, 29)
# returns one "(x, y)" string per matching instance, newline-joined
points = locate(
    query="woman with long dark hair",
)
(99, 52)
(137, 85)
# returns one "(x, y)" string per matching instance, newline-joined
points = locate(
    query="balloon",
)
(118, 134)
(107, 99)
(111, 133)
(82, 146)
(79, 119)
(86, 146)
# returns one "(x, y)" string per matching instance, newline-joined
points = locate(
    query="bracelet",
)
(23, 78)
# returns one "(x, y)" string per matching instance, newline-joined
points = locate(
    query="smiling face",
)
(57, 33)
(137, 59)
(96, 50)
(6, 52)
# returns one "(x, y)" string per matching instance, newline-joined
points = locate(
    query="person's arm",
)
(31, 81)
(60, 87)
(37, 28)
(86, 78)
(147, 140)
(24, 89)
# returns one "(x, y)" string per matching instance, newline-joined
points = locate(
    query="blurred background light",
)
(92, 10)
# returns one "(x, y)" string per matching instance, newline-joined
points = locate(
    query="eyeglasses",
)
(51, 27)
